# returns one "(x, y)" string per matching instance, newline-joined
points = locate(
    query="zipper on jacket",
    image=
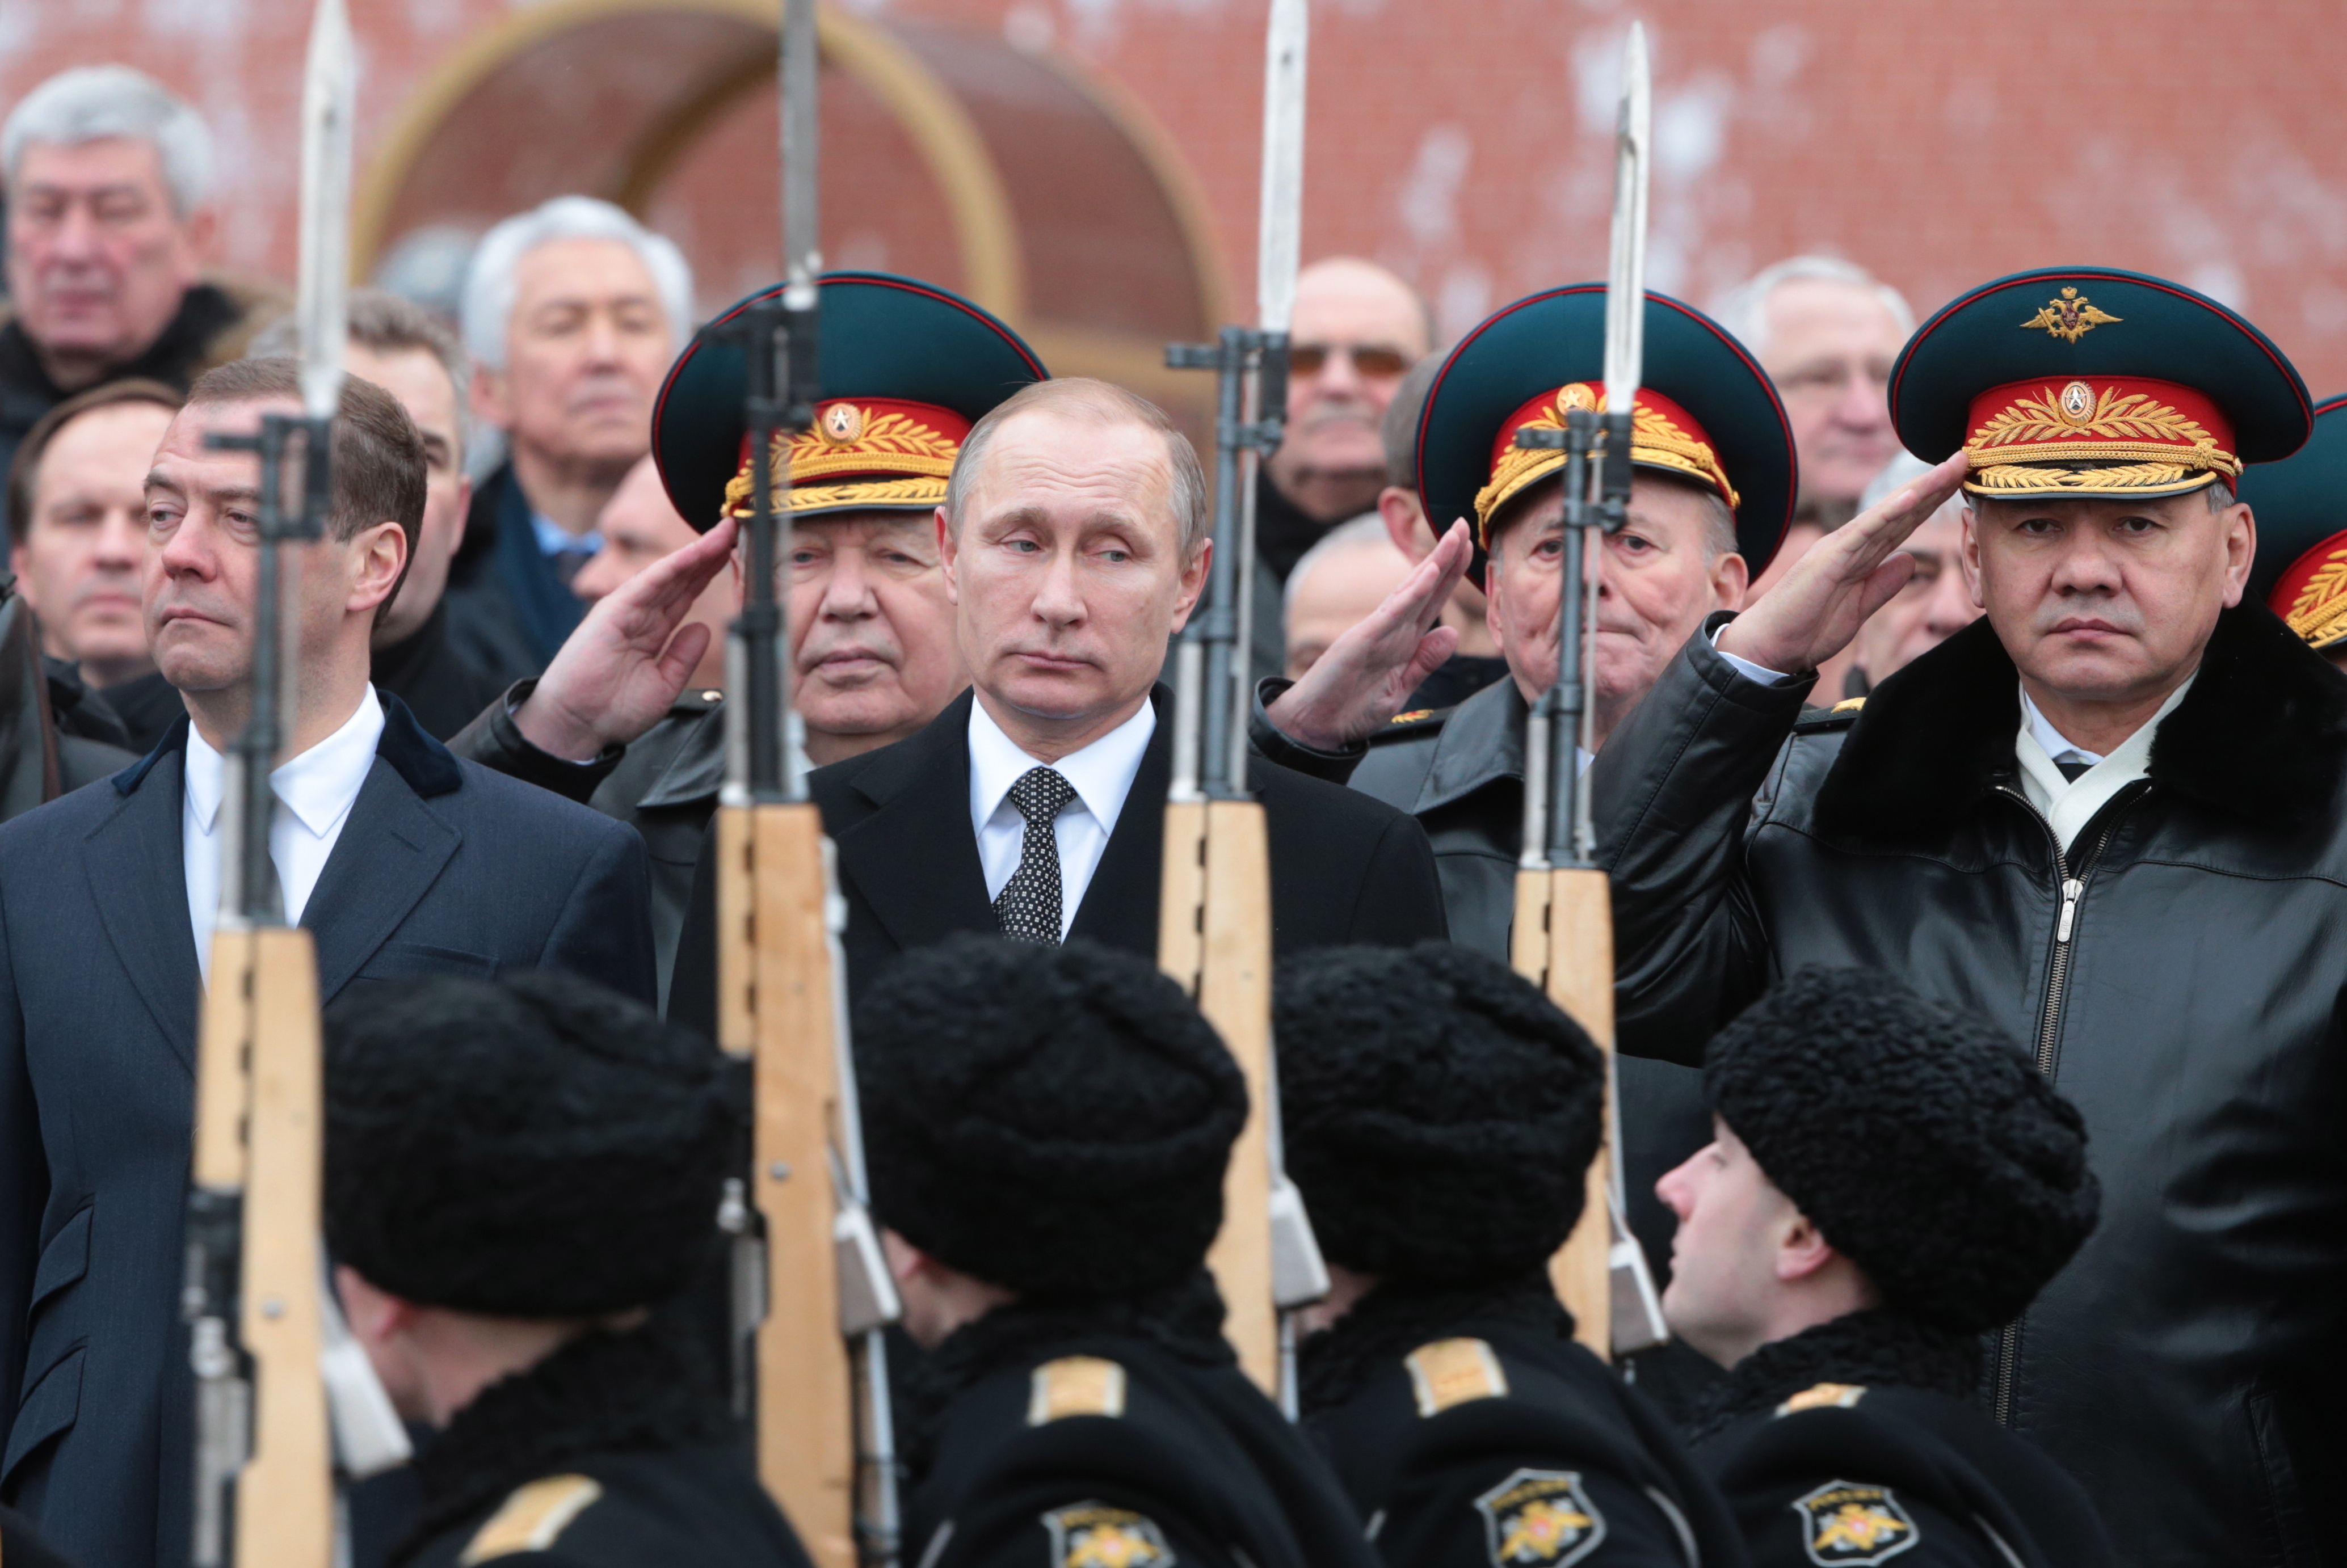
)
(2049, 1031)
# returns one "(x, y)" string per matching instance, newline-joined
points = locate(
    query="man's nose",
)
(1676, 1188)
(120, 538)
(1339, 377)
(188, 551)
(74, 238)
(602, 338)
(1057, 597)
(2085, 564)
(1864, 403)
(847, 590)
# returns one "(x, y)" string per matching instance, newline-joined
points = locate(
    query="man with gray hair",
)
(109, 184)
(1826, 330)
(572, 311)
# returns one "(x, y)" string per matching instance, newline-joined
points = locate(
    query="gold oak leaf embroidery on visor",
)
(2319, 613)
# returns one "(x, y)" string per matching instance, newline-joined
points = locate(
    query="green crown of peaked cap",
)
(881, 336)
(1557, 337)
(2299, 502)
(2162, 331)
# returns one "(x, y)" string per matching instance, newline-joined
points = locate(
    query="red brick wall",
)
(1466, 144)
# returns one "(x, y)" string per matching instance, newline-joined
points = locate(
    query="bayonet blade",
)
(1625, 272)
(328, 95)
(1280, 233)
(802, 213)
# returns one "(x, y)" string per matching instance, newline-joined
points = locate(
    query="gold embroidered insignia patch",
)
(1452, 1371)
(1818, 1396)
(532, 1517)
(1847, 705)
(1094, 1535)
(1412, 717)
(1075, 1386)
(1845, 1524)
(2070, 316)
(1540, 1519)
(2319, 613)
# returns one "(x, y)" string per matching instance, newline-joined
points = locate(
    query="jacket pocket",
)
(411, 960)
(2289, 1533)
(64, 1260)
(49, 1408)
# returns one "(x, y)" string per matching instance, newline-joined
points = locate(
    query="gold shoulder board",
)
(532, 1519)
(1847, 705)
(1822, 1395)
(1075, 1385)
(1451, 1372)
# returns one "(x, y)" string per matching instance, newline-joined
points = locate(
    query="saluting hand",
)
(620, 672)
(1360, 684)
(1812, 614)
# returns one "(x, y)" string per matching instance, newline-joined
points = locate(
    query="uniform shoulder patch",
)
(532, 1517)
(1452, 1371)
(1095, 1535)
(1416, 722)
(1075, 1386)
(1540, 1519)
(1847, 705)
(1818, 1396)
(1849, 1525)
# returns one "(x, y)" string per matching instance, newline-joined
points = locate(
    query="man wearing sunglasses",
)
(1357, 329)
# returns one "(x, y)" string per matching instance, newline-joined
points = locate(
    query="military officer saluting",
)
(2107, 816)
(515, 1174)
(1046, 1130)
(1440, 1115)
(907, 367)
(1890, 1180)
(2300, 504)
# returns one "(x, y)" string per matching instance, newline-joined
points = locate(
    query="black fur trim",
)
(599, 1393)
(1184, 1320)
(2262, 735)
(1876, 1349)
(1395, 1319)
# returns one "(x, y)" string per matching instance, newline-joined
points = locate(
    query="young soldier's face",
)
(1722, 1260)
(2103, 600)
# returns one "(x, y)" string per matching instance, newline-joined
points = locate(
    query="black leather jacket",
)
(2182, 976)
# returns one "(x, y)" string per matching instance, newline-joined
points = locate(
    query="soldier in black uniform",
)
(515, 1172)
(1890, 1181)
(1047, 1130)
(1440, 1115)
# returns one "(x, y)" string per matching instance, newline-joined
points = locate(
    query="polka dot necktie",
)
(1028, 905)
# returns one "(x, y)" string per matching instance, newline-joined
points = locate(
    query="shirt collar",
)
(2043, 746)
(317, 787)
(1102, 774)
(554, 539)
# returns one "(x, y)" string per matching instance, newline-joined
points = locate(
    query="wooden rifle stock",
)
(260, 1109)
(776, 1007)
(1214, 935)
(1563, 942)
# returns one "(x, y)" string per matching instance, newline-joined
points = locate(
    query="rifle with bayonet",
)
(1563, 938)
(1215, 910)
(281, 1391)
(811, 1294)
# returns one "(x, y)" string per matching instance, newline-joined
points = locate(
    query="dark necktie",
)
(567, 562)
(2072, 770)
(1029, 905)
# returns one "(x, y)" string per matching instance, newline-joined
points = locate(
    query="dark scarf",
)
(1184, 1320)
(1876, 1349)
(205, 311)
(1395, 1319)
(599, 1393)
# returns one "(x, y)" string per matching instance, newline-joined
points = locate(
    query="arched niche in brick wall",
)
(1035, 188)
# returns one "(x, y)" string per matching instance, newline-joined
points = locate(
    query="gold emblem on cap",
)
(842, 423)
(2078, 403)
(1577, 396)
(2070, 316)
(2319, 614)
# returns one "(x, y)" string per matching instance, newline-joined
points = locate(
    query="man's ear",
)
(1405, 524)
(1968, 554)
(1730, 578)
(1802, 1250)
(2240, 527)
(947, 555)
(202, 228)
(379, 562)
(374, 1315)
(488, 396)
(1193, 584)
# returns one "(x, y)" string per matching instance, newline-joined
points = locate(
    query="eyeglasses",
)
(1376, 360)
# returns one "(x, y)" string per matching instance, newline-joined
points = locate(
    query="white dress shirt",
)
(2071, 804)
(1101, 773)
(315, 792)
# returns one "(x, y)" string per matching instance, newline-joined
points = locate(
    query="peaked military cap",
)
(1705, 413)
(2300, 507)
(906, 368)
(2087, 381)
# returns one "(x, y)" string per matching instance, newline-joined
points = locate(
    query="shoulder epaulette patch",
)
(1075, 1385)
(1452, 1371)
(1817, 1396)
(1849, 1525)
(532, 1517)
(1540, 1519)
(1417, 721)
(1412, 717)
(1094, 1535)
(1847, 705)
